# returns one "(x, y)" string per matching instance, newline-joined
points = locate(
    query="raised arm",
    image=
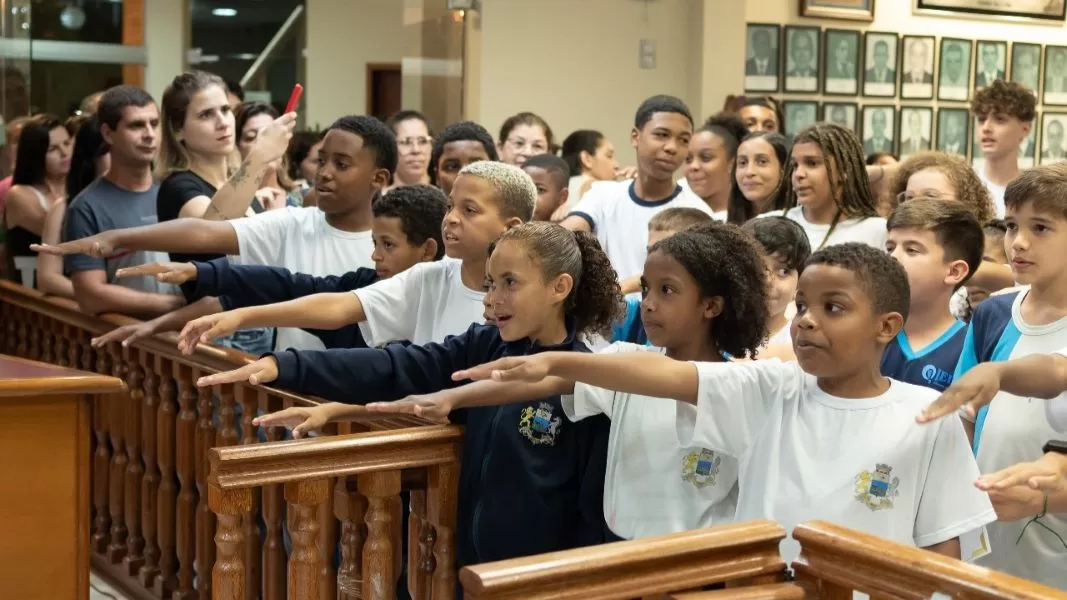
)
(640, 373)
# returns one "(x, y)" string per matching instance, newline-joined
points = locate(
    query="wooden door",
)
(384, 85)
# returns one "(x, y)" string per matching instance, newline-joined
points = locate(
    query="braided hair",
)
(846, 171)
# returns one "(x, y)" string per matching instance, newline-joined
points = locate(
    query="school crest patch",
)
(539, 425)
(701, 467)
(877, 489)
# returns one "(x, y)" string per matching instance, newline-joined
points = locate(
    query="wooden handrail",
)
(257, 465)
(683, 561)
(835, 561)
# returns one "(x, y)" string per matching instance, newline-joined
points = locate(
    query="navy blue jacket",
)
(238, 286)
(530, 481)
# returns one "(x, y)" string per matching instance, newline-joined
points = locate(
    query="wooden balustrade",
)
(153, 534)
(835, 561)
(315, 472)
(742, 554)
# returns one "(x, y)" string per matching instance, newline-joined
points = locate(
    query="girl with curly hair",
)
(704, 300)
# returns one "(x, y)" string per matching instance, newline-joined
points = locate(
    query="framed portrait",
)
(798, 115)
(917, 67)
(1053, 147)
(844, 114)
(880, 64)
(954, 74)
(1028, 149)
(801, 59)
(841, 62)
(915, 131)
(1026, 65)
(762, 51)
(990, 62)
(879, 125)
(1050, 12)
(953, 130)
(853, 10)
(1055, 91)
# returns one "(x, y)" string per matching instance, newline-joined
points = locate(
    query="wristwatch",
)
(1057, 446)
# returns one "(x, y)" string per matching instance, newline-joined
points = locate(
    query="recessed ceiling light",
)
(225, 12)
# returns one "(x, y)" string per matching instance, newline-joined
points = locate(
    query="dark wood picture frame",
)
(867, 86)
(1039, 153)
(891, 128)
(834, 10)
(827, 108)
(932, 63)
(815, 34)
(967, 122)
(787, 128)
(1040, 64)
(1048, 77)
(967, 70)
(977, 82)
(830, 79)
(900, 130)
(778, 56)
(947, 9)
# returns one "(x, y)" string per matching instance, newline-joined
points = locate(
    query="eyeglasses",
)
(421, 142)
(903, 197)
(519, 144)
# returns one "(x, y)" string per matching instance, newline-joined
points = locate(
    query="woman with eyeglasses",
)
(522, 136)
(414, 140)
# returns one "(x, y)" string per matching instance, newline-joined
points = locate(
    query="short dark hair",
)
(1044, 185)
(463, 131)
(1005, 97)
(115, 100)
(582, 140)
(677, 218)
(881, 278)
(299, 148)
(234, 87)
(377, 138)
(89, 146)
(252, 109)
(953, 224)
(420, 208)
(660, 104)
(408, 115)
(553, 165)
(782, 237)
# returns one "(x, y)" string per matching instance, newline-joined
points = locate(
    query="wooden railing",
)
(743, 554)
(153, 532)
(835, 561)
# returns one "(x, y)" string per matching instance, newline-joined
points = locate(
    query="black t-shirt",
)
(177, 189)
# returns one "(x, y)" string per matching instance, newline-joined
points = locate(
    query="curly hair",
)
(1005, 97)
(725, 262)
(420, 209)
(882, 278)
(595, 302)
(969, 188)
(377, 138)
(463, 131)
(845, 168)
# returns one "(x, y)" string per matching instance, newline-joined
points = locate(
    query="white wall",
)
(166, 30)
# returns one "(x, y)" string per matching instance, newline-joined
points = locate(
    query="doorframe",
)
(372, 68)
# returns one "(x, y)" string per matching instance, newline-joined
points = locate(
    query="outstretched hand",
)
(302, 419)
(1048, 474)
(97, 246)
(432, 407)
(264, 370)
(170, 272)
(974, 390)
(530, 369)
(206, 329)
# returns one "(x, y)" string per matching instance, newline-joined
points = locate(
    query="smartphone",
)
(294, 98)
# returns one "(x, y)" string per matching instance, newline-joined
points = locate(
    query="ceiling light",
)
(225, 12)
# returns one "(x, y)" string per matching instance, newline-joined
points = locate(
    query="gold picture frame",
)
(1035, 12)
(850, 10)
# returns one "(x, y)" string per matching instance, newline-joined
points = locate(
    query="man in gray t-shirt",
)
(124, 197)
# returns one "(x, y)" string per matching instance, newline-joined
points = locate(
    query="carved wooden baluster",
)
(116, 551)
(22, 349)
(185, 459)
(227, 434)
(273, 550)
(350, 507)
(150, 482)
(168, 491)
(379, 568)
(11, 330)
(102, 461)
(304, 498)
(33, 332)
(63, 342)
(134, 466)
(328, 539)
(228, 576)
(205, 519)
(441, 499)
(419, 552)
(47, 340)
(248, 397)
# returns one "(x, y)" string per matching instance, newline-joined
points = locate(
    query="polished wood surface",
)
(44, 542)
(774, 591)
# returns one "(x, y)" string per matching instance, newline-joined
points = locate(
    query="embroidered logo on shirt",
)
(934, 376)
(538, 425)
(700, 467)
(876, 490)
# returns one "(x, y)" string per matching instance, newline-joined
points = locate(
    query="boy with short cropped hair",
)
(619, 212)
(1015, 325)
(551, 176)
(940, 244)
(785, 250)
(1004, 113)
(662, 226)
(994, 253)
(826, 437)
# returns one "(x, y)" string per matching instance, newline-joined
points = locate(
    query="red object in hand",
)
(294, 98)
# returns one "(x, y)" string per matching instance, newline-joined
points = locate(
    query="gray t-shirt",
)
(103, 206)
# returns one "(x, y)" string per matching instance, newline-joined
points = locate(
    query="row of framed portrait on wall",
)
(847, 62)
(909, 129)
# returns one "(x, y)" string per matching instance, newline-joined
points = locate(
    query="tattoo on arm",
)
(240, 176)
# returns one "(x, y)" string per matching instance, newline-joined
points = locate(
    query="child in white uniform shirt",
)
(826, 437)
(828, 191)
(703, 297)
(785, 250)
(618, 212)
